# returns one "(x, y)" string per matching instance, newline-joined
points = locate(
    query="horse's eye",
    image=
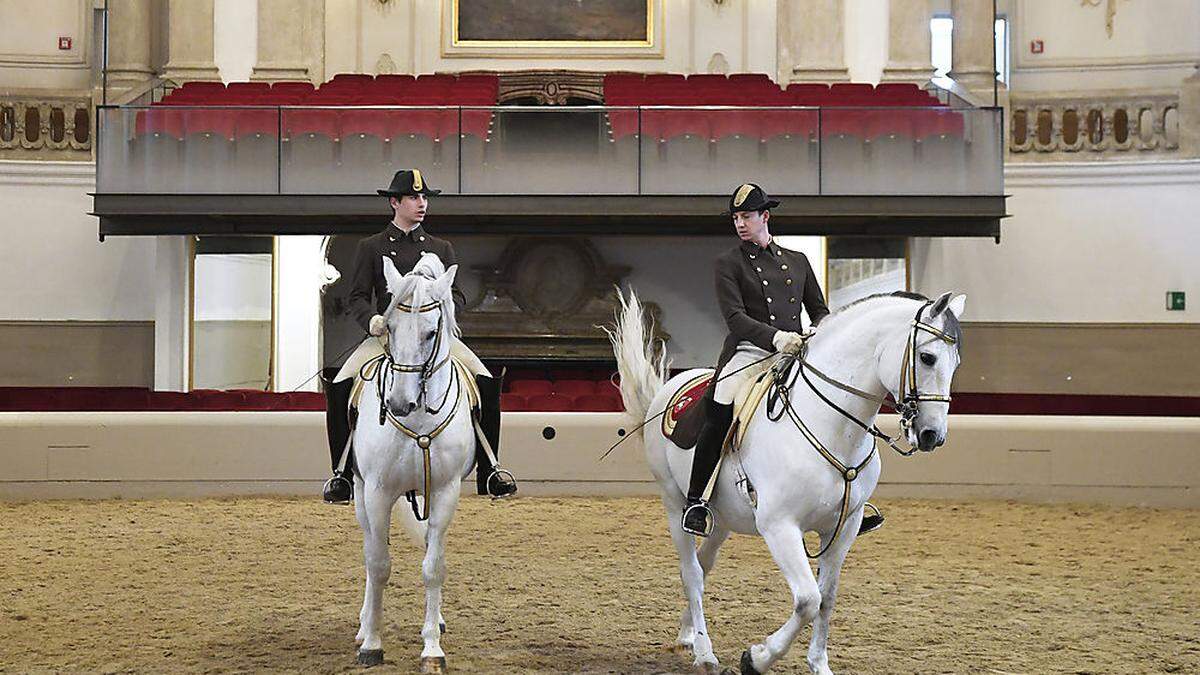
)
(928, 359)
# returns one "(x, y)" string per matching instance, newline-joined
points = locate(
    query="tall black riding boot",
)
(340, 488)
(697, 518)
(487, 480)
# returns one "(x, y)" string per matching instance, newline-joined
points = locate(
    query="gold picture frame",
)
(455, 45)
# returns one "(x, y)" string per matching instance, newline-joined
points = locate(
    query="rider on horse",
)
(760, 288)
(403, 241)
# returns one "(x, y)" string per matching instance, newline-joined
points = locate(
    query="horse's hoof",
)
(442, 627)
(681, 648)
(433, 664)
(747, 664)
(370, 657)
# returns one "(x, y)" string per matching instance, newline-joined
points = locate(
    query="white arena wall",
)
(1111, 460)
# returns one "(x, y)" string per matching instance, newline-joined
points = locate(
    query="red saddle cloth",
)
(683, 419)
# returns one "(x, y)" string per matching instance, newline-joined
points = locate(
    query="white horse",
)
(777, 484)
(420, 442)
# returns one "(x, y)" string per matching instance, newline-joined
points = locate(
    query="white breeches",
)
(746, 353)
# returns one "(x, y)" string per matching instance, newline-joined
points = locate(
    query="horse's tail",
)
(414, 528)
(642, 372)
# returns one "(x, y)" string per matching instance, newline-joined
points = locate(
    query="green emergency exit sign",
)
(1175, 300)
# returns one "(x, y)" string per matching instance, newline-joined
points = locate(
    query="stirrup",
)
(498, 471)
(330, 486)
(872, 522)
(708, 519)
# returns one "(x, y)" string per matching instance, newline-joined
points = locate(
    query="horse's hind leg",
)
(829, 570)
(692, 575)
(377, 508)
(707, 556)
(442, 505)
(786, 542)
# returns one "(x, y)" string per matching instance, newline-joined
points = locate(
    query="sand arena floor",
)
(588, 585)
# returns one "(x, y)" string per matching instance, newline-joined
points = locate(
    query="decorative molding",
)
(551, 87)
(46, 126)
(47, 172)
(1055, 126)
(1102, 174)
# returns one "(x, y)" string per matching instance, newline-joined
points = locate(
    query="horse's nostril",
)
(929, 439)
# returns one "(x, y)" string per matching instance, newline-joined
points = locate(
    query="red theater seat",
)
(550, 403)
(531, 387)
(510, 402)
(574, 387)
(598, 403)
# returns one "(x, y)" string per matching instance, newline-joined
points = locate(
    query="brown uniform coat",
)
(404, 250)
(760, 291)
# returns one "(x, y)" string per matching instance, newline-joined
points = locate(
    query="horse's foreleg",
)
(692, 575)
(786, 542)
(442, 504)
(364, 523)
(829, 570)
(377, 507)
(707, 556)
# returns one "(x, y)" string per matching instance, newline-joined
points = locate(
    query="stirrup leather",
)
(708, 519)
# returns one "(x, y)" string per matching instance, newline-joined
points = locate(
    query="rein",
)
(782, 384)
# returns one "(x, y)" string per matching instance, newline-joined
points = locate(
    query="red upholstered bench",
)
(531, 387)
(550, 403)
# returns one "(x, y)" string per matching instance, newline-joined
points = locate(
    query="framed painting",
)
(552, 28)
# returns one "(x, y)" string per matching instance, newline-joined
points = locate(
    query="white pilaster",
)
(297, 341)
(172, 313)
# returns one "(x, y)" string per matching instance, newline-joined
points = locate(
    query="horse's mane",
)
(952, 327)
(414, 291)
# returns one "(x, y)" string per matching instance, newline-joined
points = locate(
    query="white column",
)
(172, 314)
(811, 41)
(235, 38)
(291, 40)
(190, 41)
(973, 44)
(129, 31)
(299, 265)
(909, 57)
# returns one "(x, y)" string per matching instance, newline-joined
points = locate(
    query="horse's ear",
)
(443, 284)
(940, 304)
(958, 305)
(391, 275)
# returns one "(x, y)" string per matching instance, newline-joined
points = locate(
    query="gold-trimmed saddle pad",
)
(683, 419)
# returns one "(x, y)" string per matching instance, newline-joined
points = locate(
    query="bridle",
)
(426, 369)
(784, 376)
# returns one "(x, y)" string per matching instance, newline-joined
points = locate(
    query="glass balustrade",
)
(559, 150)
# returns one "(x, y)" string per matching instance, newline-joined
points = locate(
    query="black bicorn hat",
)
(750, 197)
(408, 182)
